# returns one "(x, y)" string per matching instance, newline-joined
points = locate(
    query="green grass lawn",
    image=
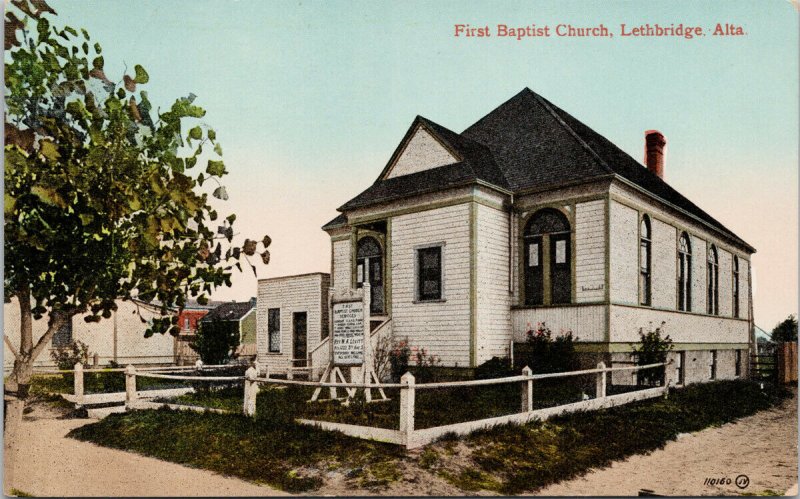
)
(510, 459)
(433, 407)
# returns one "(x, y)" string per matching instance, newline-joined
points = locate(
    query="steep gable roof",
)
(473, 162)
(526, 143)
(537, 144)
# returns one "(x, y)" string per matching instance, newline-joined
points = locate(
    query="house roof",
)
(231, 311)
(526, 143)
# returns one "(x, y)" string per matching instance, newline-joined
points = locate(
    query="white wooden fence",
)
(407, 434)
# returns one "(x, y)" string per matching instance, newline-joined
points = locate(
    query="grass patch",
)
(509, 459)
(269, 449)
(19, 493)
(527, 457)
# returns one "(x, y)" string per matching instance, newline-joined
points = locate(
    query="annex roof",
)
(230, 311)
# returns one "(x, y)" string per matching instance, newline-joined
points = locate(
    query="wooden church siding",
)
(590, 251)
(624, 271)
(442, 328)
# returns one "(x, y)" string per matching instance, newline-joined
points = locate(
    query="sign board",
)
(348, 333)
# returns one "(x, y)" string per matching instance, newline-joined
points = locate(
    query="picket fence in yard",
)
(407, 435)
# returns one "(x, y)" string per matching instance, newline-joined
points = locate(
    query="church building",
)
(528, 216)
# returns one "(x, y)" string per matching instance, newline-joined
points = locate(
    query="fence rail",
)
(407, 435)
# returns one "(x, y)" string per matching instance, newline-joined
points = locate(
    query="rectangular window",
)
(63, 336)
(680, 374)
(644, 273)
(713, 364)
(274, 329)
(736, 290)
(429, 273)
(360, 273)
(738, 363)
(561, 251)
(533, 255)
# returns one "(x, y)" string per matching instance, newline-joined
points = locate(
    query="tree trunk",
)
(18, 384)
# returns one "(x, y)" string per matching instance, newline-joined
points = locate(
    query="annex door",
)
(369, 268)
(300, 338)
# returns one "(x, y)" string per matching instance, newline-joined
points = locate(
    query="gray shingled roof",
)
(230, 311)
(526, 143)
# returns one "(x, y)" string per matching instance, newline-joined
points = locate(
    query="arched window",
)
(712, 281)
(645, 261)
(684, 273)
(547, 229)
(736, 287)
(369, 268)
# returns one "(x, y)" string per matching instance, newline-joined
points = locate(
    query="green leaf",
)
(141, 75)
(49, 150)
(218, 149)
(98, 48)
(10, 204)
(98, 62)
(220, 193)
(48, 196)
(121, 93)
(212, 135)
(86, 218)
(231, 218)
(216, 168)
(196, 133)
(85, 34)
(43, 27)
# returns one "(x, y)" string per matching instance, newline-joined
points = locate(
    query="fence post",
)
(96, 360)
(78, 383)
(407, 396)
(601, 381)
(289, 372)
(130, 386)
(250, 391)
(527, 390)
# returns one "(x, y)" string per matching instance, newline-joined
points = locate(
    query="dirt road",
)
(52, 465)
(762, 447)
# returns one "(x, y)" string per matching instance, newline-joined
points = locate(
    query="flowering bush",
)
(398, 359)
(426, 364)
(652, 349)
(547, 353)
(67, 356)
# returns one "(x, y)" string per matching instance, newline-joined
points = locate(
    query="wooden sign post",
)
(350, 343)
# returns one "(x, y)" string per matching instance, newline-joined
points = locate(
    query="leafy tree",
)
(100, 200)
(652, 349)
(216, 341)
(786, 330)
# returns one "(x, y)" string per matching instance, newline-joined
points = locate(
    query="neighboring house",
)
(188, 320)
(119, 338)
(469, 239)
(292, 319)
(242, 314)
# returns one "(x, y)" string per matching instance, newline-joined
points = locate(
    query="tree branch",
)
(56, 321)
(11, 346)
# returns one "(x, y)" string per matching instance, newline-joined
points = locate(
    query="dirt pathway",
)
(763, 447)
(52, 465)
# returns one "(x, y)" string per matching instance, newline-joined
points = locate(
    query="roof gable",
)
(419, 150)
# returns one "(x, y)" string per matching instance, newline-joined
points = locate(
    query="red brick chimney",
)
(654, 144)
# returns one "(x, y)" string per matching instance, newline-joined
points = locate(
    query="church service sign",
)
(348, 333)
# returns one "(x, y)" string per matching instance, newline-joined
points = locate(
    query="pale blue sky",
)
(310, 99)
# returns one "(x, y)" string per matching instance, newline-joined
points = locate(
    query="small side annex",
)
(292, 320)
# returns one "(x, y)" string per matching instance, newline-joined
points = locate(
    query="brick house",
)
(527, 216)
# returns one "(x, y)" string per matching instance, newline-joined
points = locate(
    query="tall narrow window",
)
(369, 268)
(684, 273)
(736, 286)
(738, 371)
(274, 329)
(645, 261)
(548, 229)
(712, 280)
(713, 364)
(429, 273)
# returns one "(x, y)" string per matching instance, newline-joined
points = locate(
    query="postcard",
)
(356, 248)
